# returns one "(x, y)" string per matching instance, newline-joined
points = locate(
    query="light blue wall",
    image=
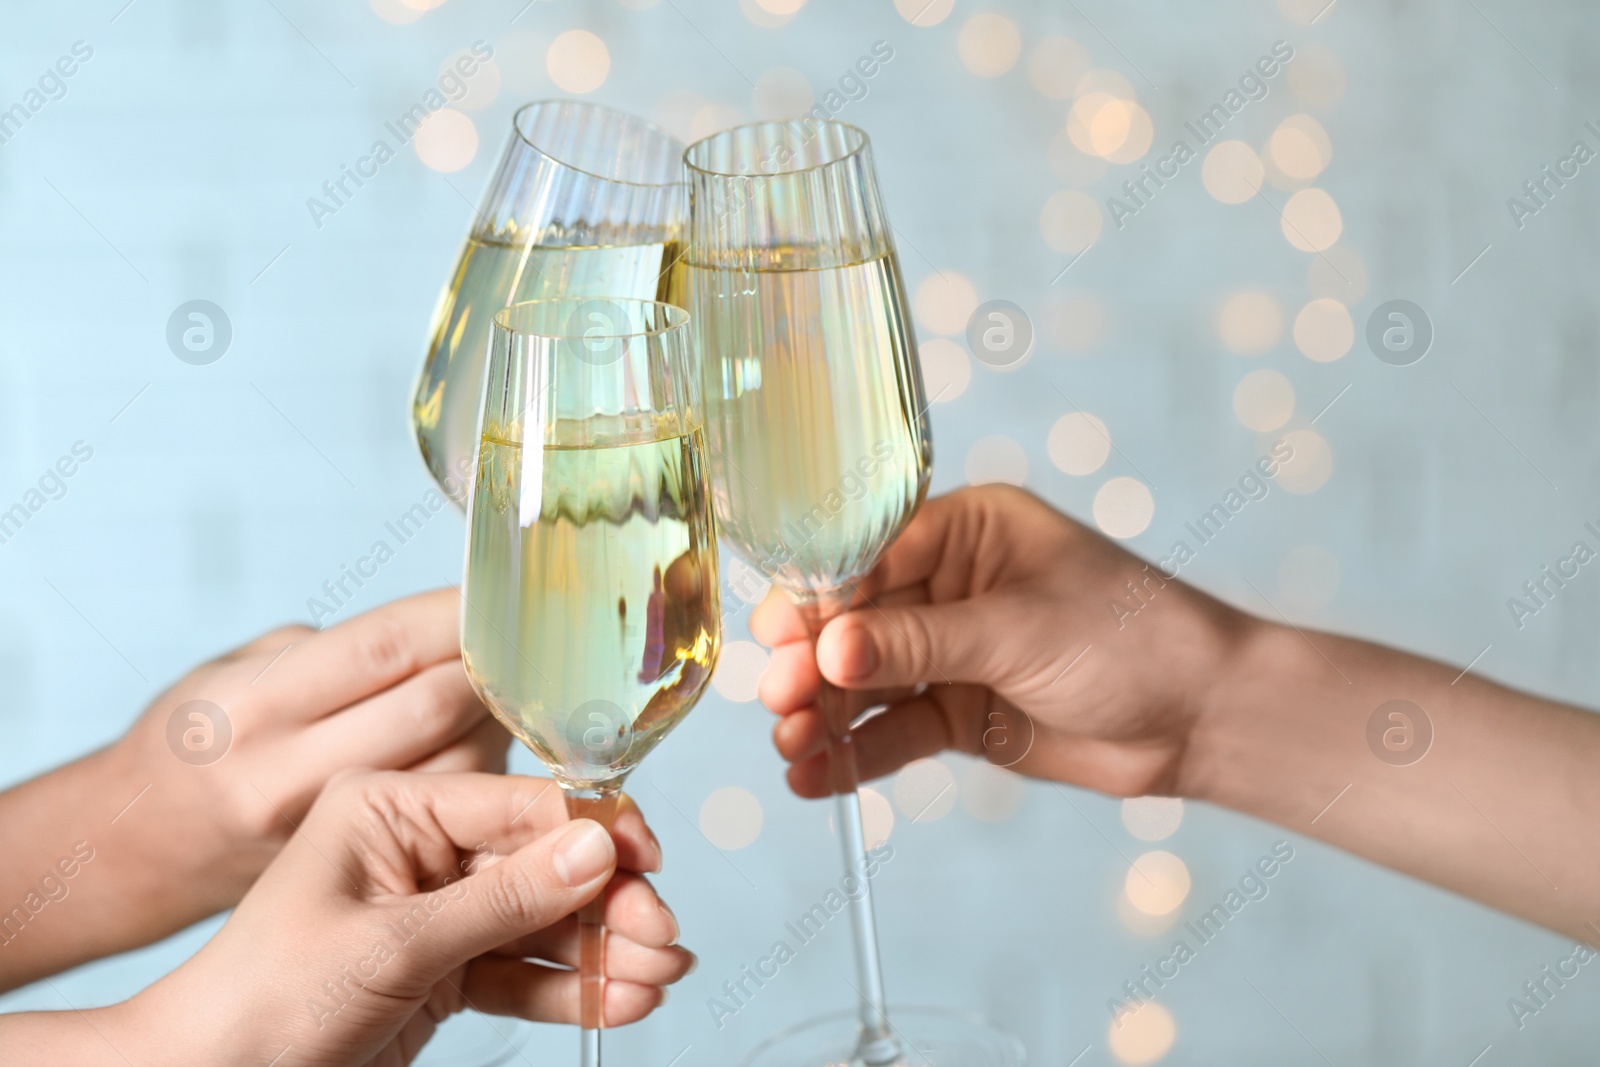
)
(178, 165)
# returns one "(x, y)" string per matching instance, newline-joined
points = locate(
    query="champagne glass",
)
(587, 201)
(820, 451)
(590, 620)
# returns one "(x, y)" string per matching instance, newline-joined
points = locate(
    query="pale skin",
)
(990, 598)
(403, 898)
(172, 841)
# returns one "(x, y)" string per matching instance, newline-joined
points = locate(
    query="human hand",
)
(999, 605)
(402, 899)
(384, 690)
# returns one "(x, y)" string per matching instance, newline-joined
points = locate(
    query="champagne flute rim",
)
(862, 143)
(677, 318)
(516, 128)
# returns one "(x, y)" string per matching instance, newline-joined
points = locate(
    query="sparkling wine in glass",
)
(590, 618)
(820, 453)
(587, 201)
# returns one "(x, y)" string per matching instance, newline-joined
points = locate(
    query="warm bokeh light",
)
(1133, 131)
(877, 816)
(1137, 922)
(1074, 321)
(762, 14)
(1071, 221)
(1157, 883)
(1079, 443)
(1307, 12)
(1311, 220)
(1316, 76)
(1338, 273)
(675, 112)
(710, 119)
(395, 12)
(446, 141)
(924, 12)
(1152, 818)
(1263, 400)
(1055, 65)
(943, 302)
(1105, 80)
(423, 5)
(1231, 172)
(1144, 1036)
(1308, 577)
(1300, 147)
(731, 818)
(996, 459)
(990, 793)
(739, 669)
(1323, 330)
(1071, 166)
(578, 61)
(1249, 322)
(1311, 465)
(1081, 123)
(925, 790)
(989, 44)
(946, 369)
(1123, 508)
(781, 93)
(781, 7)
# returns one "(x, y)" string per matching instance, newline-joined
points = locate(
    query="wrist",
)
(1250, 746)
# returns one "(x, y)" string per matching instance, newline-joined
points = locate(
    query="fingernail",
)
(583, 853)
(671, 919)
(694, 964)
(663, 999)
(859, 656)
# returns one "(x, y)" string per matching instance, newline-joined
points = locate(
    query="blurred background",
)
(1180, 330)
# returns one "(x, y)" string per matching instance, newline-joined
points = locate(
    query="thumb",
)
(881, 648)
(538, 884)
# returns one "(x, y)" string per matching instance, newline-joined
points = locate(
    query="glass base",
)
(929, 1037)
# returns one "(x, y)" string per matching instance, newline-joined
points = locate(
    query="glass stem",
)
(877, 1044)
(600, 804)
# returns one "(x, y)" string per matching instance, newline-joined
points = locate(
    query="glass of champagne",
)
(820, 454)
(587, 201)
(590, 620)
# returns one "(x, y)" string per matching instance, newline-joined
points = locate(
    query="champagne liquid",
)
(591, 627)
(820, 450)
(489, 276)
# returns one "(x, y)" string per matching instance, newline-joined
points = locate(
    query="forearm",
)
(86, 872)
(1497, 807)
(52, 1038)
